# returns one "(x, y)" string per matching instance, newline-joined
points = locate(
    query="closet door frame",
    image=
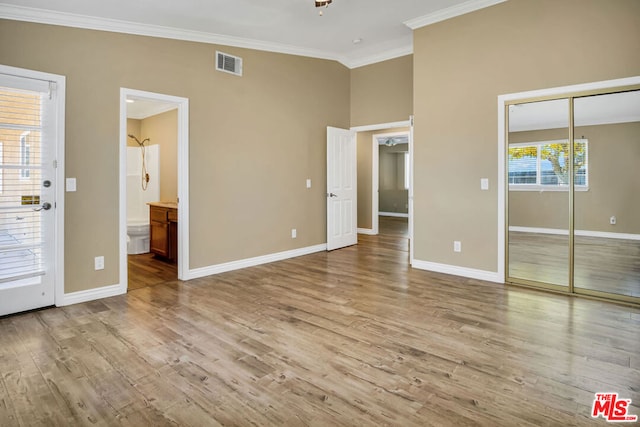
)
(565, 92)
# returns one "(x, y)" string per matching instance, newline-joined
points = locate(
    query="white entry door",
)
(342, 192)
(27, 193)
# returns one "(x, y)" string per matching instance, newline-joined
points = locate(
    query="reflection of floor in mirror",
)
(601, 264)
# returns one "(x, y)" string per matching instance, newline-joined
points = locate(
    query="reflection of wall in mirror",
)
(614, 180)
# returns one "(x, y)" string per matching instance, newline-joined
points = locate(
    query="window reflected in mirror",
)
(538, 191)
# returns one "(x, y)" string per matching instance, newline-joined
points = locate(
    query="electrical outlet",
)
(457, 246)
(612, 220)
(308, 183)
(294, 233)
(98, 263)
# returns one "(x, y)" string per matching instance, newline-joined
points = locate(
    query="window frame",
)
(548, 187)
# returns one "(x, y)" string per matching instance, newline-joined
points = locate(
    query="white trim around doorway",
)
(375, 176)
(182, 105)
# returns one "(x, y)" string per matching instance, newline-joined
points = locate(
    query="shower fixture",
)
(145, 173)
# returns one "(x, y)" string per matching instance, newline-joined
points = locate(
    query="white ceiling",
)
(288, 26)
(142, 108)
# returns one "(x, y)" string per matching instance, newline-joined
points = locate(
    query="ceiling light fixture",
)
(323, 3)
(391, 142)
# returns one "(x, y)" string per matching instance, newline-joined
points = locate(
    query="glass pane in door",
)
(20, 186)
(538, 196)
(607, 193)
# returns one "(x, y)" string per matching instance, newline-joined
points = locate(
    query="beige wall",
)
(162, 129)
(365, 160)
(133, 128)
(461, 66)
(614, 179)
(254, 140)
(393, 197)
(382, 92)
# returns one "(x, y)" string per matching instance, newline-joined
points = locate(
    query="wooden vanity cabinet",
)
(163, 239)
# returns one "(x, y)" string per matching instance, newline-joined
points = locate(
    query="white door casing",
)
(342, 194)
(182, 105)
(30, 242)
(411, 223)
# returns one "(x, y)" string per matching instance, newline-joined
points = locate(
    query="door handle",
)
(332, 195)
(46, 206)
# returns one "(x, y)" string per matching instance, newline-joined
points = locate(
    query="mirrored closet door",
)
(573, 193)
(607, 194)
(538, 192)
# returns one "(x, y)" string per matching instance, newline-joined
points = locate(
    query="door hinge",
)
(55, 164)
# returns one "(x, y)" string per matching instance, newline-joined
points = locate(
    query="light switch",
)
(484, 183)
(71, 184)
(308, 183)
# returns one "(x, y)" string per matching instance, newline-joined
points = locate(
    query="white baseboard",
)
(251, 262)
(489, 276)
(368, 231)
(91, 295)
(584, 233)
(394, 214)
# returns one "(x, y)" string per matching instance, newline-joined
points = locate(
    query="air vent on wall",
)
(228, 63)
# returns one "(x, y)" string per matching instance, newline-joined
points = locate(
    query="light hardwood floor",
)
(349, 337)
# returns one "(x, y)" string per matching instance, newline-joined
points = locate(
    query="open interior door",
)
(342, 192)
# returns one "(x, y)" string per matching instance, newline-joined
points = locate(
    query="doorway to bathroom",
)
(153, 188)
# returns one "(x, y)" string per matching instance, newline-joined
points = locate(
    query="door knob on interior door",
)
(46, 206)
(332, 195)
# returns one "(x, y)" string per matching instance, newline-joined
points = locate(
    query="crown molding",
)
(378, 57)
(450, 12)
(42, 16)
